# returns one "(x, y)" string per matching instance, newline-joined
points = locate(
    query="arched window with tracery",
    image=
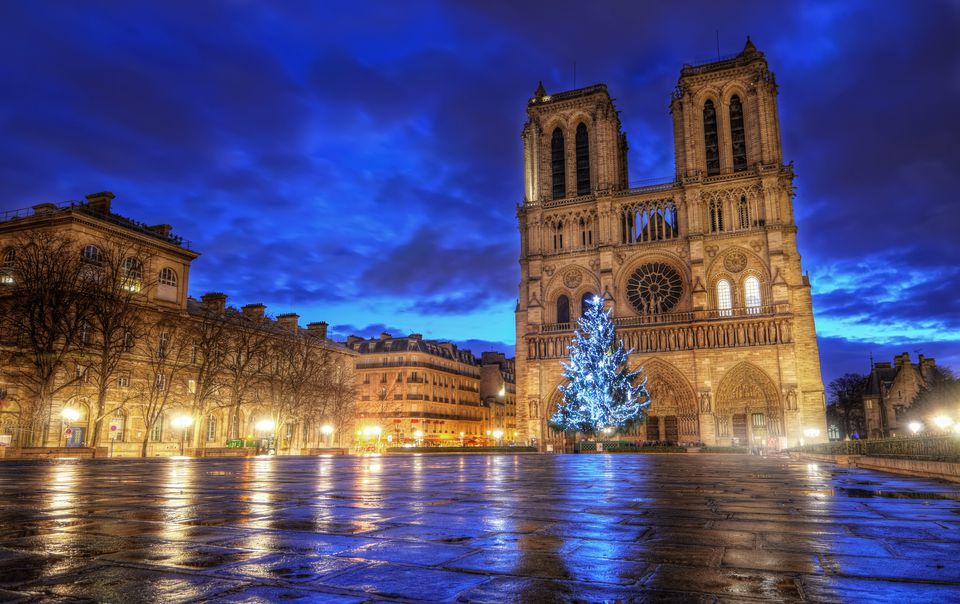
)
(168, 276)
(737, 138)
(751, 294)
(558, 164)
(716, 216)
(558, 236)
(563, 309)
(710, 140)
(650, 221)
(724, 298)
(583, 160)
(743, 213)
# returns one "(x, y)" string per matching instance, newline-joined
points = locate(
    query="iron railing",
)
(681, 317)
(931, 448)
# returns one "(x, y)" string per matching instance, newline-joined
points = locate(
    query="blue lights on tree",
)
(599, 392)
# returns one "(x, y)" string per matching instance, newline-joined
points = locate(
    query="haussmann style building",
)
(702, 273)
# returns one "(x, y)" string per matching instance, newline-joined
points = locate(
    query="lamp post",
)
(915, 427)
(461, 439)
(181, 422)
(943, 422)
(497, 435)
(266, 426)
(327, 431)
(68, 416)
(418, 436)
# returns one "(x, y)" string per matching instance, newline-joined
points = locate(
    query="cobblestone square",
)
(474, 528)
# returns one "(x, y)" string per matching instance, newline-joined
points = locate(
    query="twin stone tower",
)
(702, 273)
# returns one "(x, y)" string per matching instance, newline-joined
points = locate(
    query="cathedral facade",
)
(702, 273)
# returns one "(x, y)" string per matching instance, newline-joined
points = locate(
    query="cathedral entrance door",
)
(671, 429)
(740, 428)
(653, 428)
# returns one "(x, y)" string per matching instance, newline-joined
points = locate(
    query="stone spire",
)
(540, 92)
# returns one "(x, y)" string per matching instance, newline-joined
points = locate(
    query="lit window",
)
(211, 428)
(132, 275)
(157, 432)
(751, 291)
(724, 299)
(6, 268)
(168, 277)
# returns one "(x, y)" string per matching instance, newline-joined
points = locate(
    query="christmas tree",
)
(599, 392)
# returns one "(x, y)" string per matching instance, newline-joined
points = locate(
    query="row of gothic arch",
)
(746, 403)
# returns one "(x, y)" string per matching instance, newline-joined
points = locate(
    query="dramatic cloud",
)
(361, 165)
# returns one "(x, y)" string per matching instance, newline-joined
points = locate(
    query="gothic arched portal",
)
(748, 406)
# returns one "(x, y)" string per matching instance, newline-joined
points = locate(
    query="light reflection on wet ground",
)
(474, 528)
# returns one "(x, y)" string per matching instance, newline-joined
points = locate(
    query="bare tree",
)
(845, 403)
(210, 340)
(341, 393)
(167, 347)
(297, 378)
(44, 312)
(244, 362)
(116, 318)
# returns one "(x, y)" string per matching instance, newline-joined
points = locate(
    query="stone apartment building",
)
(152, 387)
(430, 392)
(890, 390)
(703, 272)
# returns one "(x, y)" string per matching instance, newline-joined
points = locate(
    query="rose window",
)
(654, 288)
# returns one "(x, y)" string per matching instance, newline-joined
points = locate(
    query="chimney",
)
(215, 302)
(100, 202)
(163, 230)
(289, 321)
(416, 336)
(254, 311)
(44, 208)
(351, 340)
(903, 359)
(385, 336)
(318, 329)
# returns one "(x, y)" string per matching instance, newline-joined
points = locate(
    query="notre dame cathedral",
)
(702, 273)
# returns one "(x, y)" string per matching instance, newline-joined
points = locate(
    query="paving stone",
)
(627, 528)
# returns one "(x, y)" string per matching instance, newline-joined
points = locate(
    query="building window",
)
(586, 233)
(583, 160)
(132, 275)
(123, 381)
(751, 294)
(91, 254)
(711, 146)
(563, 309)
(211, 428)
(160, 382)
(168, 277)
(557, 161)
(743, 213)
(558, 236)
(162, 346)
(724, 298)
(117, 426)
(6, 268)
(157, 433)
(737, 138)
(716, 217)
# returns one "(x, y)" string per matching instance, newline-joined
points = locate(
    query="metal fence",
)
(935, 448)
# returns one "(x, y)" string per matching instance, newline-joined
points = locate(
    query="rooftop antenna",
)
(718, 44)
(871, 359)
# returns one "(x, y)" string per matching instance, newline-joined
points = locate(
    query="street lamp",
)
(266, 426)
(461, 438)
(327, 431)
(69, 415)
(915, 427)
(943, 421)
(181, 422)
(497, 435)
(418, 436)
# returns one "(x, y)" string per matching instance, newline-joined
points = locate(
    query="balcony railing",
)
(680, 317)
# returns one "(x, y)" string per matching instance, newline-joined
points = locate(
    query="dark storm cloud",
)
(362, 163)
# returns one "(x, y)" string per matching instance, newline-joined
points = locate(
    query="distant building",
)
(498, 391)
(702, 272)
(162, 374)
(411, 390)
(890, 390)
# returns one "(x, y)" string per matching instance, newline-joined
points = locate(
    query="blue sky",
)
(360, 163)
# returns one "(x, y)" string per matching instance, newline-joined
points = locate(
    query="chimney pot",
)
(100, 201)
(289, 321)
(254, 311)
(214, 302)
(318, 328)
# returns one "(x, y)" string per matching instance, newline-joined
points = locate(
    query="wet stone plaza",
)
(474, 528)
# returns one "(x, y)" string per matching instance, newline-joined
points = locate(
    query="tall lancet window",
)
(737, 137)
(558, 165)
(583, 161)
(711, 145)
(563, 309)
